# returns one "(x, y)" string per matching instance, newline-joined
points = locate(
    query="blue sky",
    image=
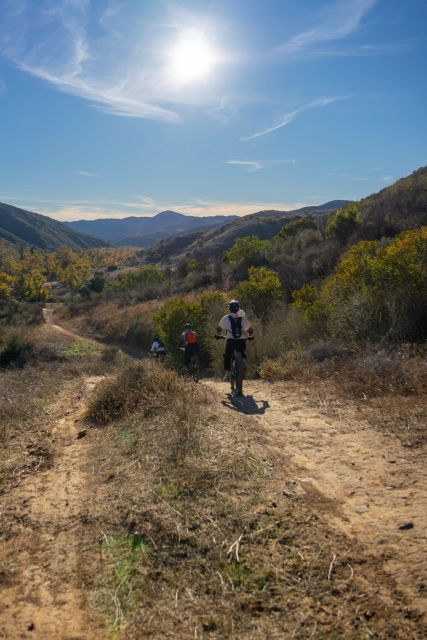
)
(110, 108)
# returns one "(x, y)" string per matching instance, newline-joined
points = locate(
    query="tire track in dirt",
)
(373, 483)
(47, 600)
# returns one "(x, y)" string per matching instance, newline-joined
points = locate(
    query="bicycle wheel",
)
(194, 368)
(237, 369)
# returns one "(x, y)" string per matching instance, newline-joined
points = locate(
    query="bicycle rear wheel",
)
(237, 367)
(194, 368)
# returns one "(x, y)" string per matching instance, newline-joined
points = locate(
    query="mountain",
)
(25, 228)
(144, 231)
(213, 242)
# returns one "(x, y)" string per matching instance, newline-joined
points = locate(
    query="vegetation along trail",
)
(365, 484)
(376, 487)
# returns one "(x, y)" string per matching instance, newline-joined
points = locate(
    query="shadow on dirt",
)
(246, 404)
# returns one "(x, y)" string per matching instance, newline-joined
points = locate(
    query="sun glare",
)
(192, 59)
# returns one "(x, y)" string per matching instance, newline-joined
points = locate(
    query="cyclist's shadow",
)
(246, 404)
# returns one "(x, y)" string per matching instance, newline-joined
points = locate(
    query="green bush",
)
(169, 322)
(246, 249)
(260, 291)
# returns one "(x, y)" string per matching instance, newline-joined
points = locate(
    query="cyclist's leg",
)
(187, 356)
(229, 348)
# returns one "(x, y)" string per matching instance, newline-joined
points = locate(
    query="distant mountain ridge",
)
(204, 244)
(144, 231)
(20, 227)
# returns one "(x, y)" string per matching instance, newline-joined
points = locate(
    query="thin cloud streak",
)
(335, 22)
(251, 165)
(288, 117)
(87, 174)
(257, 165)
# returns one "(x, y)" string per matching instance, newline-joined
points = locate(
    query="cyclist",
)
(189, 343)
(158, 349)
(235, 324)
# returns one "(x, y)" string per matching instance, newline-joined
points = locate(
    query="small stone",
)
(31, 626)
(81, 434)
(408, 525)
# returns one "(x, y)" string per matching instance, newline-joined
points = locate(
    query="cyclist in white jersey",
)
(236, 325)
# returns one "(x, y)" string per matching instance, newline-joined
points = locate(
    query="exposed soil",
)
(373, 487)
(48, 512)
(376, 488)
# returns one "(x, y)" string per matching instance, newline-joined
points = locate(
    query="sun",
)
(192, 59)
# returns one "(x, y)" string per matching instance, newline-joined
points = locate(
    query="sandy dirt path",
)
(47, 600)
(374, 484)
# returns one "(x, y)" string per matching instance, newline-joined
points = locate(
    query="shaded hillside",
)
(403, 205)
(212, 243)
(20, 227)
(144, 231)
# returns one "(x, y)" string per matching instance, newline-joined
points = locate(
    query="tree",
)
(260, 291)
(71, 267)
(343, 223)
(295, 227)
(146, 275)
(246, 249)
(169, 322)
(6, 285)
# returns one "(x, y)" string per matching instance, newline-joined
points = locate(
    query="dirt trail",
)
(47, 603)
(373, 483)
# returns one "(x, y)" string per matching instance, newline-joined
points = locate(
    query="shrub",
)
(295, 227)
(246, 249)
(260, 291)
(343, 223)
(146, 275)
(145, 386)
(169, 322)
(380, 292)
(16, 350)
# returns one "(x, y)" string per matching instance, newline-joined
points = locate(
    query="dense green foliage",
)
(260, 290)
(248, 248)
(376, 292)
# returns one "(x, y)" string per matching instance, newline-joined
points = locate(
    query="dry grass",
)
(178, 483)
(28, 393)
(390, 385)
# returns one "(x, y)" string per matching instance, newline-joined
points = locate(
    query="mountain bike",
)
(238, 365)
(193, 367)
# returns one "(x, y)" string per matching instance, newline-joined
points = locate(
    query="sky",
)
(113, 108)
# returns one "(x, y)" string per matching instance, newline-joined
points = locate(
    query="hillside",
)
(144, 231)
(402, 205)
(20, 228)
(212, 243)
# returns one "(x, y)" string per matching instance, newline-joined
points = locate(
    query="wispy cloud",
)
(250, 165)
(58, 42)
(257, 165)
(336, 21)
(288, 117)
(87, 174)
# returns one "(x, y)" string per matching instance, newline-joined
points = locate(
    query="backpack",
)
(190, 337)
(236, 326)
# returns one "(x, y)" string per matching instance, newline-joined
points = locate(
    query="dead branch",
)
(235, 547)
(331, 566)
